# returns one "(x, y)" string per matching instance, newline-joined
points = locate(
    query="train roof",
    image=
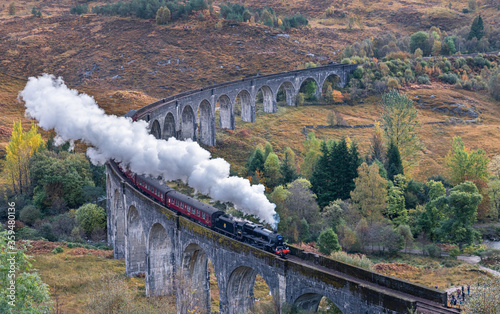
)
(193, 202)
(157, 184)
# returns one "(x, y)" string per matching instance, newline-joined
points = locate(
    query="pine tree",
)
(268, 148)
(394, 164)
(321, 178)
(288, 167)
(476, 29)
(256, 161)
(333, 177)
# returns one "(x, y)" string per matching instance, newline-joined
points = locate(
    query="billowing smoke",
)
(76, 116)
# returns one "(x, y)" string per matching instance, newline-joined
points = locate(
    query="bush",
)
(423, 79)
(465, 10)
(79, 9)
(27, 233)
(432, 250)
(57, 250)
(474, 249)
(359, 260)
(450, 78)
(29, 214)
(454, 252)
(90, 217)
(494, 84)
(47, 232)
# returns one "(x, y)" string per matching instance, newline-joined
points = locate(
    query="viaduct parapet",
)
(191, 115)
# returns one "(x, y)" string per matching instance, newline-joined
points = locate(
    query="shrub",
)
(481, 62)
(47, 232)
(359, 260)
(423, 79)
(474, 249)
(299, 99)
(465, 10)
(79, 9)
(460, 62)
(432, 250)
(494, 84)
(90, 217)
(29, 214)
(57, 250)
(450, 78)
(454, 252)
(392, 83)
(27, 233)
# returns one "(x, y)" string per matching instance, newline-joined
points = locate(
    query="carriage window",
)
(177, 202)
(203, 215)
(198, 213)
(189, 209)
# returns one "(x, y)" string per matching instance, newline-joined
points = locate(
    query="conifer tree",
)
(268, 148)
(476, 29)
(394, 164)
(288, 167)
(256, 161)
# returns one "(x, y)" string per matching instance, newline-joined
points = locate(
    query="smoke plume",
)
(76, 116)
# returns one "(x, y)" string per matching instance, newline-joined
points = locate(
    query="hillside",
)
(127, 63)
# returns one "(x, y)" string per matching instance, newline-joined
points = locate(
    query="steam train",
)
(209, 216)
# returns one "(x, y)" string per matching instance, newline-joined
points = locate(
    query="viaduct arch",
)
(191, 115)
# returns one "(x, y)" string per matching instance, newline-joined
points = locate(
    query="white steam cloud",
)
(77, 116)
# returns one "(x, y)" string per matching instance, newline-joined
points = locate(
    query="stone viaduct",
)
(192, 114)
(173, 252)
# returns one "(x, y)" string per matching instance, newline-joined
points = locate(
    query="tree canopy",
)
(401, 126)
(465, 164)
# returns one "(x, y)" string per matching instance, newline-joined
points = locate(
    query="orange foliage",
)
(337, 96)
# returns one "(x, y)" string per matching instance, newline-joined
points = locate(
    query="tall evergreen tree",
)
(333, 177)
(268, 148)
(321, 178)
(394, 164)
(288, 167)
(256, 161)
(476, 29)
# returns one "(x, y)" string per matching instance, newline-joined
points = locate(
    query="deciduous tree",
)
(90, 217)
(272, 170)
(369, 196)
(401, 126)
(465, 164)
(21, 147)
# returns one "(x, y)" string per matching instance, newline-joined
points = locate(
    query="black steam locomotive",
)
(209, 216)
